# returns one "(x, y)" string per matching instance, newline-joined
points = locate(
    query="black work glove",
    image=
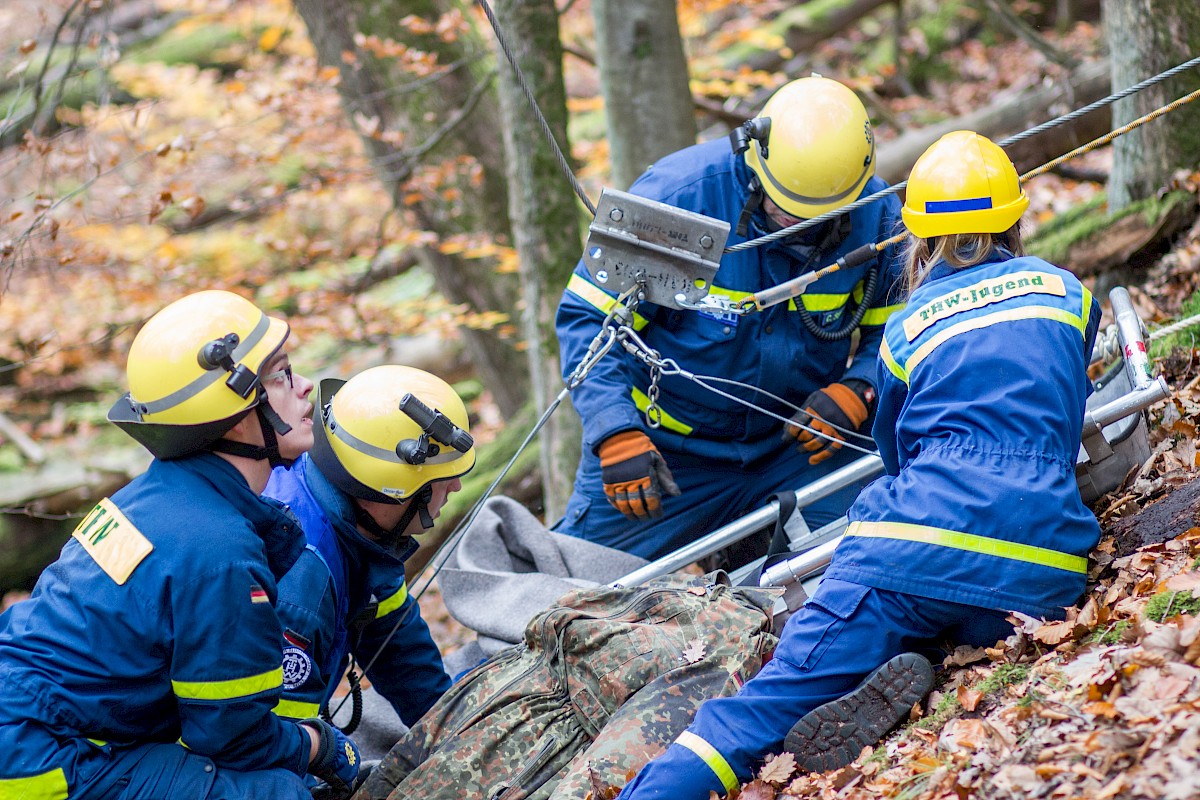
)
(846, 405)
(337, 759)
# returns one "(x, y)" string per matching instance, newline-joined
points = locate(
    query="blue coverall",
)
(726, 458)
(146, 662)
(341, 578)
(983, 384)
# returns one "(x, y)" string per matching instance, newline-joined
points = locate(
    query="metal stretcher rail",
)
(1096, 453)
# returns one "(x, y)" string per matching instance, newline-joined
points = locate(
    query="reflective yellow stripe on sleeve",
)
(709, 755)
(1010, 315)
(885, 353)
(50, 785)
(596, 297)
(228, 690)
(824, 302)
(880, 315)
(294, 709)
(970, 542)
(666, 420)
(1087, 309)
(390, 604)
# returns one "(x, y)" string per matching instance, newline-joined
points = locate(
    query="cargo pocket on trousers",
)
(814, 628)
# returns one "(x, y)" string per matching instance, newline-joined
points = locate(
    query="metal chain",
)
(638, 348)
(653, 412)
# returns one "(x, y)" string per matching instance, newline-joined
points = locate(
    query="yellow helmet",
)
(964, 183)
(193, 372)
(812, 147)
(389, 432)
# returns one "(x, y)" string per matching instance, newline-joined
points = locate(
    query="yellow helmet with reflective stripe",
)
(964, 183)
(389, 432)
(193, 371)
(812, 148)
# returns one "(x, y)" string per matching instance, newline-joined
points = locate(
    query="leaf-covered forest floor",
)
(1104, 705)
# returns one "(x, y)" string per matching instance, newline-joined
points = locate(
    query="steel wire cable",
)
(1019, 137)
(442, 555)
(559, 157)
(754, 303)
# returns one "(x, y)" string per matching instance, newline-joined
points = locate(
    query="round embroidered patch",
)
(297, 666)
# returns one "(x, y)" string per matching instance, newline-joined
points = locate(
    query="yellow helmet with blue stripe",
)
(964, 183)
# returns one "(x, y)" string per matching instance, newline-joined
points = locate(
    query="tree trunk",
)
(1009, 114)
(1146, 37)
(545, 221)
(445, 116)
(644, 80)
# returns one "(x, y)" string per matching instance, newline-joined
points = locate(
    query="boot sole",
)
(832, 735)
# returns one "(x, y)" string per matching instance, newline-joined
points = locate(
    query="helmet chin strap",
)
(392, 538)
(753, 203)
(272, 426)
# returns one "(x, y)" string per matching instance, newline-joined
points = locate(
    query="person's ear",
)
(248, 429)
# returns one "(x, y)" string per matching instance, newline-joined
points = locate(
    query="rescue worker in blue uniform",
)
(811, 150)
(146, 662)
(981, 405)
(378, 474)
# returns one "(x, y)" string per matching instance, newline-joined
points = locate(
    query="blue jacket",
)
(982, 389)
(771, 350)
(155, 625)
(347, 594)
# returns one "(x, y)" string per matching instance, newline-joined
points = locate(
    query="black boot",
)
(831, 736)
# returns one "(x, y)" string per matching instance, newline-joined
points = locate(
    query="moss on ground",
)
(1053, 240)
(1170, 604)
(1187, 337)
(1110, 634)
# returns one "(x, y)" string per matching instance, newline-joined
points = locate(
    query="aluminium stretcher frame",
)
(1115, 441)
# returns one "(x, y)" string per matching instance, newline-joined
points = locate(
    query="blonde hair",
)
(958, 250)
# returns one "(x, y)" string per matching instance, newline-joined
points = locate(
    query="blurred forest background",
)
(371, 170)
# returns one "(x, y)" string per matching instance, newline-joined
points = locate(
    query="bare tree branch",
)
(1026, 32)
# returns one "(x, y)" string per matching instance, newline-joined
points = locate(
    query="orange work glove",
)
(635, 475)
(842, 404)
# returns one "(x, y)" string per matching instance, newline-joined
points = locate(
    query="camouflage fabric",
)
(604, 681)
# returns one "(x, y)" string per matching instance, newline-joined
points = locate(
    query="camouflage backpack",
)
(604, 681)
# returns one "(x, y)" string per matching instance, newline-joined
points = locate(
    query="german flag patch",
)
(258, 594)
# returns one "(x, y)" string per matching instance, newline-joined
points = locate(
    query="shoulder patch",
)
(297, 666)
(978, 295)
(112, 541)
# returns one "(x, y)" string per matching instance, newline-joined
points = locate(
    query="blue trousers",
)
(713, 494)
(841, 635)
(130, 772)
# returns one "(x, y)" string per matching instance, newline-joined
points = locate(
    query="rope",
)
(558, 153)
(1175, 327)
(797, 285)
(452, 541)
(1045, 126)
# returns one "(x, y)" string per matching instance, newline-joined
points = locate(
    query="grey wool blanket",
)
(508, 567)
